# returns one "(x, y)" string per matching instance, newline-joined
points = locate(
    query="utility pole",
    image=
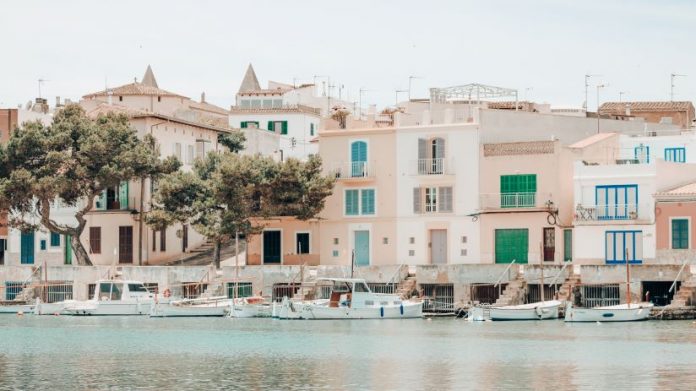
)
(587, 86)
(671, 85)
(41, 81)
(396, 102)
(598, 87)
(621, 94)
(360, 102)
(410, 80)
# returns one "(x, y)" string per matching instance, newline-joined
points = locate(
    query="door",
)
(184, 238)
(362, 248)
(438, 246)
(511, 245)
(549, 244)
(358, 158)
(271, 247)
(27, 248)
(67, 252)
(125, 244)
(2, 251)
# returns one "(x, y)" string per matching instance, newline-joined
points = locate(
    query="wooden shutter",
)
(243, 124)
(95, 240)
(163, 240)
(284, 129)
(439, 148)
(445, 199)
(417, 201)
(270, 126)
(123, 195)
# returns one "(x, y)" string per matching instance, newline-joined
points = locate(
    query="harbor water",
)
(139, 352)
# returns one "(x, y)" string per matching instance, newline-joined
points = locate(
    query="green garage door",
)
(511, 244)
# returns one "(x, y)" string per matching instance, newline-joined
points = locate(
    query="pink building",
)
(675, 212)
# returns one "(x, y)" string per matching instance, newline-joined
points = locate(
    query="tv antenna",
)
(671, 84)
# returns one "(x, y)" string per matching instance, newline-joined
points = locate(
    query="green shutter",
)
(68, 251)
(270, 126)
(567, 245)
(511, 244)
(368, 201)
(311, 129)
(243, 125)
(352, 202)
(123, 195)
(55, 239)
(680, 234)
(284, 129)
(517, 191)
(101, 201)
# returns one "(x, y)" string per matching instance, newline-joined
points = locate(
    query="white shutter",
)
(417, 207)
(445, 199)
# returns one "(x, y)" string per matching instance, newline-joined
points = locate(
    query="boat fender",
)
(401, 308)
(381, 312)
(538, 311)
(167, 292)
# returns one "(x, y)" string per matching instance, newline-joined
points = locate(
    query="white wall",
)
(298, 128)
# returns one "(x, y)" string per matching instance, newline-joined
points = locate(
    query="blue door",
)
(358, 158)
(362, 248)
(27, 248)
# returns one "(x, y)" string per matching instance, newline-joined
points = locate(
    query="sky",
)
(542, 48)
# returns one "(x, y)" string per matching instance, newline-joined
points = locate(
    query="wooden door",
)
(438, 246)
(549, 244)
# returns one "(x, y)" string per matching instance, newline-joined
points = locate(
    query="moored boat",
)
(250, 307)
(114, 297)
(533, 311)
(350, 298)
(615, 313)
(211, 306)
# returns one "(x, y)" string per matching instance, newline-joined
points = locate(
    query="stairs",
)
(686, 295)
(407, 286)
(203, 254)
(513, 294)
(566, 290)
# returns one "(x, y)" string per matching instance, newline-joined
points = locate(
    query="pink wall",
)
(664, 211)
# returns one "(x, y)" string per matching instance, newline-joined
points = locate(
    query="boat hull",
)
(617, 313)
(533, 311)
(107, 308)
(172, 310)
(294, 310)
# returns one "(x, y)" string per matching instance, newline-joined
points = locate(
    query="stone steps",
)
(513, 293)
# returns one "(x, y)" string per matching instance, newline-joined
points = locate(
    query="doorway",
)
(271, 247)
(125, 244)
(26, 255)
(549, 244)
(659, 293)
(362, 248)
(438, 246)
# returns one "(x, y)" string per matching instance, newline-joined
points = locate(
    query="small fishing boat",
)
(532, 311)
(350, 298)
(114, 297)
(209, 306)
(615, 313)
(250, 307)
(42, 308)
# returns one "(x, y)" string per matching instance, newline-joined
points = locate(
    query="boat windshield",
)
(361, 287)
(110, 291)
(341, 287)
(137, 288)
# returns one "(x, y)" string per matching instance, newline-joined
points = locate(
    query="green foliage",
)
(226, 193)
(72, 161)
(234, 141)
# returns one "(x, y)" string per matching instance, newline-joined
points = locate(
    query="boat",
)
(114, 297)
(533, 311)
(614, 313)
(628, 312)
(250, 307)
(43, 308)
(350, 298)
(209, 306)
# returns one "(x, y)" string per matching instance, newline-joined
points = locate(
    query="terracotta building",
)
(677, 113)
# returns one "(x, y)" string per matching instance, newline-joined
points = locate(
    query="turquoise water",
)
(139, 352)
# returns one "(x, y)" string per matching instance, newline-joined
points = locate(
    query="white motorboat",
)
(210, 306)
(114, 297)
(614, 313)
(19, 308)
(250, 307)
(350, 298)
(42, 308)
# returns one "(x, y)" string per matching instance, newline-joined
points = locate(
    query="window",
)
(642, 153)
(335, 241)
(244, 104)
(518, 191)
(125, 244)
(567, 245)
(95, 240)
(243, 289)
(616, 202)
(464, 239)
(163, 240)
(267, 103)
(120, 98)
(302, 243)
(463, 252)
(624, 245)
(511, 244)
(335, 253)
(385, 240)
(154, 240)
(177, 151)
(137, 288)
(277, 103)
(680, 234)
(256, 103)
(249, 124)
(677, 155)
(311, 129)
(359, 202)
(189, 154)
(358, 159)
(432, 199)
(431, 154)
(42, 244)
(202, 147)
(159, 98)
(278, 126)
(55, 239)
(411, 253)
(412, 240)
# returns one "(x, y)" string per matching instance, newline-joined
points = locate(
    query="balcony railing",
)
(516, 200)
(607, 212)
(437, 166)
(353, 170)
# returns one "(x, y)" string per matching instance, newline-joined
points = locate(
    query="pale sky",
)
(543, 48)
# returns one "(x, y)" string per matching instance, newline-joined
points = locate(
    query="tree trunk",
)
(216, 254)
(79, 251)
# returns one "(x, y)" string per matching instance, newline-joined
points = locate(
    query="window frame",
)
(678, 153)
(359, 211)
(688, 231)
(624, 234)
(309, 241)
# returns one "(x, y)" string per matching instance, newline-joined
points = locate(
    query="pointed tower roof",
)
(250, 82)
(149, 78)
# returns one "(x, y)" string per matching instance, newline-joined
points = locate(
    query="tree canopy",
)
(71, 162)
(226, 193)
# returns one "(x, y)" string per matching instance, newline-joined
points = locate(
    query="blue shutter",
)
(123, 195)
(368, 201)
(352, 202)
(55, 239)
(358, 158)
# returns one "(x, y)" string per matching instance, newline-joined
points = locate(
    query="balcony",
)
(503, 202)
(610, 212)
(437, 166)
(355, 171)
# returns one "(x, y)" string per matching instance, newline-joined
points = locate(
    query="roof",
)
(272, 110)
(250, 82)
(620, 107)
(687, 191)
(147, 87)
(586, 142)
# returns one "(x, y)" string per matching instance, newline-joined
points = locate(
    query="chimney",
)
(203, 97)
(58, 101)
(628, 109)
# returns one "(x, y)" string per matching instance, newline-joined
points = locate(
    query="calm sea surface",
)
(139, 352)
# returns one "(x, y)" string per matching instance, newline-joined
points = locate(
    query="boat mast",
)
(541, 261)
(628, 281)
(352, 263)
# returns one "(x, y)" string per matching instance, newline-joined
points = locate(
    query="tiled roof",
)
(250, 81)
(518, 148)
(620, 107)
(133, 89)
(586, 142)
(205, 106)
(684, 191)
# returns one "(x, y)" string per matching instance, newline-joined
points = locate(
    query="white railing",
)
(607, 212)
(345, 170)
(516, 200)
(437, 166)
